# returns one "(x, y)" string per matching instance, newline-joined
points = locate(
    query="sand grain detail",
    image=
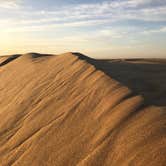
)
(61, 110)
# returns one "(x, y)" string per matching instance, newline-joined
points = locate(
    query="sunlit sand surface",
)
(69, 109)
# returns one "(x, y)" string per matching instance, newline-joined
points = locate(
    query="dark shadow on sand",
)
(146, 79)
(9, 59)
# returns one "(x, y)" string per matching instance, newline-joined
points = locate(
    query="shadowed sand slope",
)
(73, 110)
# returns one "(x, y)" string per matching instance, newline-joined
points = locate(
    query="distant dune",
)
(69, 109)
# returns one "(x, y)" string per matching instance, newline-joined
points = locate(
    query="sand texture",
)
(71, 110)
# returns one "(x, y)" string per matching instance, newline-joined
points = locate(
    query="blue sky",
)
(98, 28)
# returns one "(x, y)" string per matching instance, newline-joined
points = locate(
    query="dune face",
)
(72, 110)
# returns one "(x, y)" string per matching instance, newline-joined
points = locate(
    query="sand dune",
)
(67, 110)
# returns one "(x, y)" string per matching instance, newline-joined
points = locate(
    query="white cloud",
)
(153, 31)
(115, 10)
(78, 15)
(54, 26)
(10, 4)
(83, 15)
(55, 29)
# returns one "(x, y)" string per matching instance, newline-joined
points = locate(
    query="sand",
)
(68, 110)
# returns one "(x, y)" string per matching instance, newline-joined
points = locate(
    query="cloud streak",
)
(154, 31)
(10, 4)
(111, 10)
(111, 22)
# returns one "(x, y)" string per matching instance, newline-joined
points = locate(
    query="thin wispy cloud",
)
(153, 31)
(115, 10)
(105, 20)
(10, 4)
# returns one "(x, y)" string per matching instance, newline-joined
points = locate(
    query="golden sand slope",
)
(61, 111)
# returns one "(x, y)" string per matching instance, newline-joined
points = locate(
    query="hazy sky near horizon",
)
(98, 28)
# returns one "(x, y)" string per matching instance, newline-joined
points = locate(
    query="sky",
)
(98, 28)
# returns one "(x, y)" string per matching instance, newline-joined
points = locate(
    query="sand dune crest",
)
(70, 109)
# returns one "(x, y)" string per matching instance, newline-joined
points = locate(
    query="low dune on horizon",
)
(73, 110)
